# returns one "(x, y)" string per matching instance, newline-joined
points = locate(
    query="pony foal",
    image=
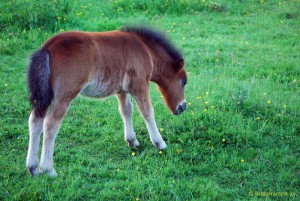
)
(100, 64)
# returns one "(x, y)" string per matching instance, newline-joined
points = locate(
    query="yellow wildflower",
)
(179, 151)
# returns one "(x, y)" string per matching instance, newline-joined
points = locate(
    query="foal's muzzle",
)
(180, 108)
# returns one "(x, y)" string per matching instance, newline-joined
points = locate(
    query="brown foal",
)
(100, 64)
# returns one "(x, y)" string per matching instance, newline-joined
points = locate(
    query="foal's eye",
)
(184, 82)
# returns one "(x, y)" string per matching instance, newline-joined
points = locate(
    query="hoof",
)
(34, 171)
(52, 173)
(160, 145)
(49, 172)
(133, 143)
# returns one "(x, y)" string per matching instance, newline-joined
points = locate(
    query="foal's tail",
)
(38, 78)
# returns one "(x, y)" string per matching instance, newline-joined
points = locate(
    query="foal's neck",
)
(161, 71)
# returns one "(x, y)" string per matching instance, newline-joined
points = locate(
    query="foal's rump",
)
(60, 68)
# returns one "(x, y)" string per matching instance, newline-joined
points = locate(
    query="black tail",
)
(38, 78)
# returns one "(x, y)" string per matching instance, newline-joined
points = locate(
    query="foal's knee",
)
(148, 114)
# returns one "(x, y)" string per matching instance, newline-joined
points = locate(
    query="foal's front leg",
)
(125, 107)
(144, 104)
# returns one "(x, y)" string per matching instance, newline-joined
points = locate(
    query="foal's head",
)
(172, 87)
(172, 77)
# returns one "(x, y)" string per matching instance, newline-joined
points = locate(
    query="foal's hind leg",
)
(51, 126)
(35, 129)
(125, 107)
(144, 104)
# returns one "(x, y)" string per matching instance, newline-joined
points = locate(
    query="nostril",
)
(180, 108)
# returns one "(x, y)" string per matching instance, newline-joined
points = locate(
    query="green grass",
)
(238, 140)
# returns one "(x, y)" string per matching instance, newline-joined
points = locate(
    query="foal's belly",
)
(99, 89)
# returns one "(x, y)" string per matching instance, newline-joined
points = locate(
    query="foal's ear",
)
(178, 65)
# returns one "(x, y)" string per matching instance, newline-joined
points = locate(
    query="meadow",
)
(239, 138)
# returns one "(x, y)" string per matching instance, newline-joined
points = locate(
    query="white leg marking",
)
(155, 135)
(35, 129)
(147, 112)
(51, 127)
(125, 107)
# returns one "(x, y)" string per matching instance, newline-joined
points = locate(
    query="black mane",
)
(156, 37)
